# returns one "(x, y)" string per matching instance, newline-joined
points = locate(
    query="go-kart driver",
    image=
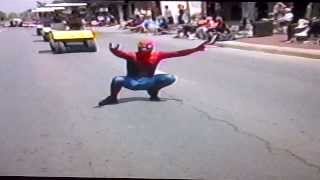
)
(45, 19)
(141, 66)
(57, 18)
(75, 21)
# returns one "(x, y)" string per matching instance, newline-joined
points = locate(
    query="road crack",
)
(301, 159)
(235, 128)
(266, 143)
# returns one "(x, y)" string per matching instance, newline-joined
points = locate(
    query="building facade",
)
(230, 11)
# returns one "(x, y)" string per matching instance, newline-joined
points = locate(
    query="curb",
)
(307, 53)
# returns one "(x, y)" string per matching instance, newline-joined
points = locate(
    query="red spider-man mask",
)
(145, 46)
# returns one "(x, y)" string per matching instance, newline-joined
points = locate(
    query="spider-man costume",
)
(141, 66)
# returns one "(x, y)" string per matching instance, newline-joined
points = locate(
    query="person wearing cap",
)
(141, 67)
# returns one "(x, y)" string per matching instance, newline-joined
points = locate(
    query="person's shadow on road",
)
(38, 40)
(133, 99)
(45, 52)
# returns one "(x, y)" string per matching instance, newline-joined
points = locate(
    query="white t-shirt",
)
(101, 18)
(287, 17)
(167, 13)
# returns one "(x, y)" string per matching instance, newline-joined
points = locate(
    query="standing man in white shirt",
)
(286, 20)
(168, 15)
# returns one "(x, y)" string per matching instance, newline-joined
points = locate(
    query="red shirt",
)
(146, 64)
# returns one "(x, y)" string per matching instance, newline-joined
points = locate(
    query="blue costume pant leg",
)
(146, 83)
(163, 80)
(156, 82)
(116, 85)
(138, 83)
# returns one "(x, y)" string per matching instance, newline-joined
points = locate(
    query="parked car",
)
(15, 22)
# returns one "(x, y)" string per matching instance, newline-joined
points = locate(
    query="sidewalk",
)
(272, 44)
(275, 44)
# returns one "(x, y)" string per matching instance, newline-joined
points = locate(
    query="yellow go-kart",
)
(62, 41)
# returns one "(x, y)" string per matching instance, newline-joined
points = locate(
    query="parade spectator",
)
(286, 24)
(299, 13)
(314, 28)
(286, 20)
(137, 11)
(148, 12)
(303, 30)
(277, 13)
(101, 19)
(219, 31)
(134, 22)
(181, 13)
(155, 12)
(189, 30)
(151, 26)
(162, 23)
(148, 25)
(168, 15)
(221, 26)
(186, 16)
(278, 10)
(110, 19)
(204, 26)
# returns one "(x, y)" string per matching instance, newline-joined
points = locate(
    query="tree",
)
(26, 14)
(13, 15)
(58, 1)
(40, 4)
(3, 16)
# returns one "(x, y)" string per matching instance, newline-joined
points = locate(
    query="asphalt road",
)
(232, 115)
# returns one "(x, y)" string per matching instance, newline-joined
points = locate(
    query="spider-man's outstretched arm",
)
(165, 55)
(121, 54)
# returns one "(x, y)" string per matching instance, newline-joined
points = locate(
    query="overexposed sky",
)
(18, 5)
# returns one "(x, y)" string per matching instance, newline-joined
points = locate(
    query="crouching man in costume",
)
(141, 67)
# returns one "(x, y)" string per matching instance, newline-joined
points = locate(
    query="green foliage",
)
(3, 16)
(13, 15)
